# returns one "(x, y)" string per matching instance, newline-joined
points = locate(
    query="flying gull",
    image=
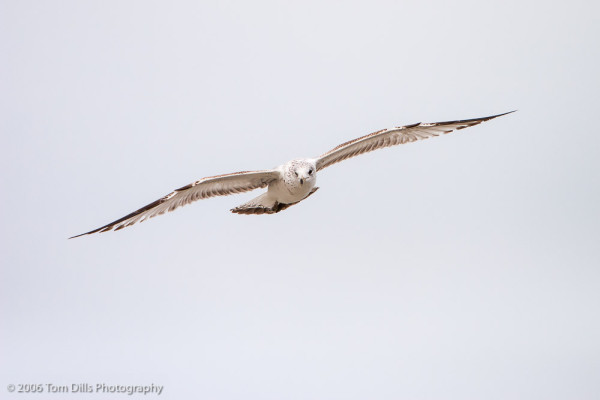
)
(289, 183)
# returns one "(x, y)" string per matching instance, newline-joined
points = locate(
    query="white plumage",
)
(289, 183)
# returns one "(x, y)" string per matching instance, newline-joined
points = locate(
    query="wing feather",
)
(394, 136)
(220, 185)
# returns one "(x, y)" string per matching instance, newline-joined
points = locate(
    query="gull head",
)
(301, 172)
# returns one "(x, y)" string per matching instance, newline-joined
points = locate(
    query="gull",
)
(289, 183)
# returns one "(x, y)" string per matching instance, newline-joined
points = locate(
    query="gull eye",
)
(310, 171)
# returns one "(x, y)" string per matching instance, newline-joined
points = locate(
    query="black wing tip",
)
(483, 119)
(472, 121)
(499, 115)
(83, 234)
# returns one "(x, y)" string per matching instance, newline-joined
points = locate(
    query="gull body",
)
(297, 181)
(299, 177)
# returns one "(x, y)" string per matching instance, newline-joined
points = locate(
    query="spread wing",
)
(220, 185)
(394, 136)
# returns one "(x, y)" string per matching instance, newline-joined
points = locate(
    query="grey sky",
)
(461, 267)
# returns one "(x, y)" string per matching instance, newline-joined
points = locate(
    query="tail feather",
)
(264, 204)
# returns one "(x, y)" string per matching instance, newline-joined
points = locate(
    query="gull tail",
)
(265, 204)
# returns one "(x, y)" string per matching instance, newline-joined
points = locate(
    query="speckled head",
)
(302, 172)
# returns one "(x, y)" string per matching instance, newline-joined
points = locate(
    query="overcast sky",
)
(461, 267)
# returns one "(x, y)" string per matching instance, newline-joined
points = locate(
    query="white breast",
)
(289, 193)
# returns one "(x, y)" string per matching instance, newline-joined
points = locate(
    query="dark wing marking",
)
(220, 185)
(394, 136)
